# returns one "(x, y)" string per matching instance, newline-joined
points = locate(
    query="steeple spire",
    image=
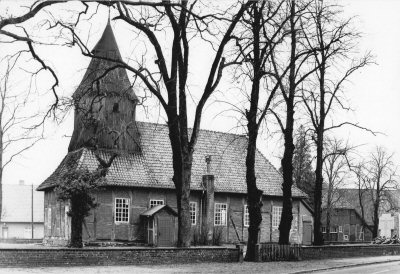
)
(107, 45)
(105, 103)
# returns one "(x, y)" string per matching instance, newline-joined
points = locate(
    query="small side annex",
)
(140, 176)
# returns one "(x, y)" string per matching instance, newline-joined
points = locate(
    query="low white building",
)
(22, 211)
(389, 224)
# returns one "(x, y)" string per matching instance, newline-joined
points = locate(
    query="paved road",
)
(382, 268)
(386, 265)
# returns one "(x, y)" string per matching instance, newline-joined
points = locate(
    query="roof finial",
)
(109, 11)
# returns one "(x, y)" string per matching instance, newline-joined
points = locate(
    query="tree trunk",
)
(318, 238)
(184, 223)
(328, 225)
(287, 168)
(76, 223)
(287, 160)
(182, 165)
(376, 217)
(254, 195)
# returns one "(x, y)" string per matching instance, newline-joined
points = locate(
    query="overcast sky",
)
(374, 93)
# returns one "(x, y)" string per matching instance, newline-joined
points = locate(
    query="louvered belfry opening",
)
(105, 103)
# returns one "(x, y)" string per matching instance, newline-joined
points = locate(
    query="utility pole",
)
(32, 210)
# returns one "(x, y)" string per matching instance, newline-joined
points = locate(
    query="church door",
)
(165, 227)
(307, 233)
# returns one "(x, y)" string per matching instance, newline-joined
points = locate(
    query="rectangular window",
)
(193, 210)
(323, 229)
(121, 210)
(156, 202)
(246, 216)
(220, 212)
(333, 229)
(340, 229)
(276, 216)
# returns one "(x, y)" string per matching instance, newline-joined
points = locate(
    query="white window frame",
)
(193, 212)
(121, 204)
(220, 214)
(333, 229)
(246, 216)
(340, 229)
(276, 216)
(154, 202)
(323, 229)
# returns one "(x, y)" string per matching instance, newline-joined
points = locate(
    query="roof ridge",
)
(202, 129)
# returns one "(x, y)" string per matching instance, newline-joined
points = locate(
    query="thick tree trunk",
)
(76, 224)
(254, 195)
(184, 228)
(287, 160)
(182, 165)
(318, 238)
(287, 170)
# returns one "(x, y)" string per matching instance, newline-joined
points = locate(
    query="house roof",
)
(151, 211)
(17, 204)
(153, 166)
(347, 198)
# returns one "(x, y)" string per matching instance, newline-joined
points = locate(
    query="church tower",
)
(105, 103)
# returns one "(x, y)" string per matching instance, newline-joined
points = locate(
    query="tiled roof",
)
(153, 167)
(347, 198)
(17, 204)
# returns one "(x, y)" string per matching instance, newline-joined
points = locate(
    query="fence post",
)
(240, 251)
(258, 253)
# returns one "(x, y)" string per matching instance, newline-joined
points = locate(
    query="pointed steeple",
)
(107, 45)
(105, 103)
(116, 81)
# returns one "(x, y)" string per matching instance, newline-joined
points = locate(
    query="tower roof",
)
(116, 81)
(107, 44)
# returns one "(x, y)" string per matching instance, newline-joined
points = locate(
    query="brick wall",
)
(345, 251)
(113, 256)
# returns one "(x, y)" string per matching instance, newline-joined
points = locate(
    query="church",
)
(138, 204)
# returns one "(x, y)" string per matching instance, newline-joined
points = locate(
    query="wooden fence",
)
(275, 252)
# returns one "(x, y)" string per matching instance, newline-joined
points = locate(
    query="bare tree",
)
(13, 31)
(292, 63)
(262, 30)
(336, 172)
(361, 173)
(185, 21)
(381, 178)
(16, 134)
(333, 41)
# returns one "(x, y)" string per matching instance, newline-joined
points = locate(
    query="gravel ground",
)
(271, 267)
